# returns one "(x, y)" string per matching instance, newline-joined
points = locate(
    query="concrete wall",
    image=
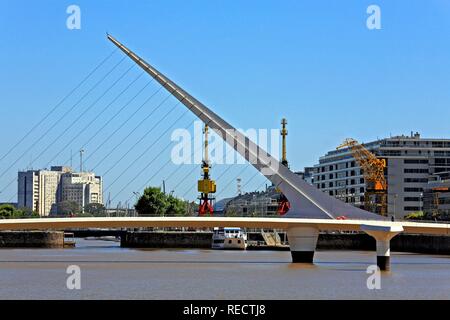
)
(31, 239)
(150, 239)
(402, 243)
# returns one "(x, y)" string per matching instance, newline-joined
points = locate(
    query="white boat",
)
(229, 238)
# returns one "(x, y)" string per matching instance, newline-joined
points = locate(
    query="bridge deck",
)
(209, 222)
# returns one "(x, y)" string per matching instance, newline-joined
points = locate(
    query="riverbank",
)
(428, 244)
(431, 244)
(31, 239)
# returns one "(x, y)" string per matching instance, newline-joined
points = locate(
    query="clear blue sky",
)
(253, 62)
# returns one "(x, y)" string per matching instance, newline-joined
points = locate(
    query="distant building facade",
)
(42, 190)
(436, 197)
(258, 203)
(411, 162)
(82, 187)
(307, 174)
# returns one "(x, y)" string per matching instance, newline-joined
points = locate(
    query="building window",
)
(411, 208)
(415, 170)
(413, 189)
(409, 199)
(415, 180)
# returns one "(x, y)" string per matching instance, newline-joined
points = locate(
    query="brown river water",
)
(110, 272)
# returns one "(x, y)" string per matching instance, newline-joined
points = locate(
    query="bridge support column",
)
(302, 242)
(383, 236)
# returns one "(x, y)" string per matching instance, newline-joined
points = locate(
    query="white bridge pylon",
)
(306, 201)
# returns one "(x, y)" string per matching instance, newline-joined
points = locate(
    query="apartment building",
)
(411, 162)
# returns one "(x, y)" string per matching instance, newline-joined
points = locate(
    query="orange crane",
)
(375, 196)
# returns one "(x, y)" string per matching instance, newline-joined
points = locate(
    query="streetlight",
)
(395, 202)
(421, 202)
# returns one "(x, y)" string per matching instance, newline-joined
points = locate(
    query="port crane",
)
(283, 203)
(373, 168)
(206, 186)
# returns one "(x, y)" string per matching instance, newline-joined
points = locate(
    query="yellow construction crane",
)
(375, 196)
(206, 186)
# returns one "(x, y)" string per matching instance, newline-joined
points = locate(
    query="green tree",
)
(418, 215)
(68, 208)
(95, 209)
(175, 206)
(25, 213)
(152, 202)
(7, 211)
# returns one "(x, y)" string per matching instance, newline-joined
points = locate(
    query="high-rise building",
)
(42, 190)
(83, 188)
(411, 162)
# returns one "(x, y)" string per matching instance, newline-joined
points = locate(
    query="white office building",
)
(42, 190)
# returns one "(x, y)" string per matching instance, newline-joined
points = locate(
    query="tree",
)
(7, 211)
(27, 213)
(68, 207)
(152, 202)
(175, 206)
(95, 209)
(418, 215)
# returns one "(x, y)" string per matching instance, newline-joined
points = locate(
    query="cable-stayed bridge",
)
(311, 210)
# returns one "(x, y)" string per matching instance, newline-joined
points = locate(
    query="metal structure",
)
(206, 186)
(283, 137)
(375, 195)
(283, 202)
(306, 200)
(81, 159)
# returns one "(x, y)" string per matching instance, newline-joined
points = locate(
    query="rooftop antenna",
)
(239, 186)
(283, 136)
(109, 200)
(81, 159)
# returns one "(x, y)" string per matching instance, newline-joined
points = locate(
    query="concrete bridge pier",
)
(383, 236)
(302, 242)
